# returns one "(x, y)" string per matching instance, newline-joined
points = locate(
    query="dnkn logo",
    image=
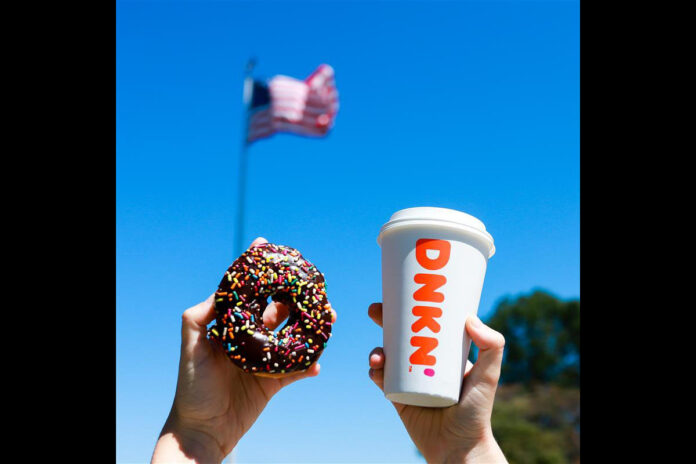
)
(428, 315)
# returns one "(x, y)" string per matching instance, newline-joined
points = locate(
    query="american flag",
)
(285, 104)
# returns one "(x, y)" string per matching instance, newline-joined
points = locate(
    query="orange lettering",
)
(427, 292)
(442, 247)
(427, 315)
(425, 345)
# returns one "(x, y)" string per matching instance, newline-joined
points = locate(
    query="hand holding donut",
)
(216, 402)
(459, 433)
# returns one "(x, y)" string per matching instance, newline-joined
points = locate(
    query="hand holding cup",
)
(459, 433)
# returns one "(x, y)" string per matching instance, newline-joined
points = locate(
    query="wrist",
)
(485, 450)
(179, 442)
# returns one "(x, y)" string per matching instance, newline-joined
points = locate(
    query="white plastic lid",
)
(444, 217)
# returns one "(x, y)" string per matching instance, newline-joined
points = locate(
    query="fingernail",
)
(476, 322)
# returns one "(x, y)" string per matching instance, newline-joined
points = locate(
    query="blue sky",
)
(465, 105)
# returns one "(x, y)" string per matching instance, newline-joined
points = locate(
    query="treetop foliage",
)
(542, 339)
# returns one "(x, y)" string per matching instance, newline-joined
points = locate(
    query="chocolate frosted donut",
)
(279, 272)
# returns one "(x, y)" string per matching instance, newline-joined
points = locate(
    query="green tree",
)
(538, 425)
(536, 415)
(542, 339)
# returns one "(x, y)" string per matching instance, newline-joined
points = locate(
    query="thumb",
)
(486, 371)
(194, 322)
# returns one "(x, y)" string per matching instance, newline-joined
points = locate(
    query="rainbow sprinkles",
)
(283, 275)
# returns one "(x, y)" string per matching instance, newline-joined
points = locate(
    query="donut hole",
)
(276, 315)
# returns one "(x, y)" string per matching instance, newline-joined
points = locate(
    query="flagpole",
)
(246, 98)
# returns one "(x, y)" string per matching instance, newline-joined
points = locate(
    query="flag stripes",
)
(305, 107)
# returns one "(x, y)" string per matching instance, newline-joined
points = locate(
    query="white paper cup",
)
(433, 264)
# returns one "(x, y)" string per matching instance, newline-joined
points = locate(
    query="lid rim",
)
(390, 224)
(419, 216)
(483, 236)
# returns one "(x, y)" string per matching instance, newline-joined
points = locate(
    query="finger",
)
(490, 343)
(333, 314)
(375, 313)
(376, 358)
(195, 319)
(274, 314)
(377, 376)
(258, 241)
(312, 371)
